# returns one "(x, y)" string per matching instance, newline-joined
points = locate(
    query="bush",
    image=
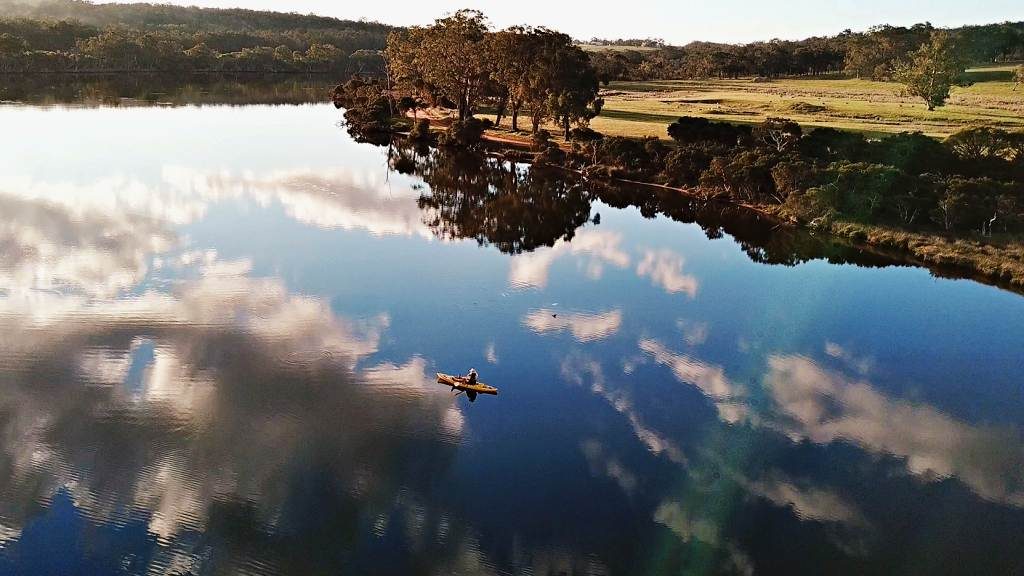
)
(463, 133)
(817, 205)
(552, 155)
(421, 131)
(631, 156)
(685, 164)
(540, 140)
(585, 134)
(864, 190)
(794, 176)
(988, 152)
(691, 130)
(977, 204)
(746, 174)
(777, 134)
(830, 145)
(913, 153)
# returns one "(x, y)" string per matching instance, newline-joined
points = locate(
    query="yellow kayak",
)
(460, 383)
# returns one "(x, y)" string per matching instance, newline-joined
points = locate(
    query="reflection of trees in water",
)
(520, 208)
(760, 238)
(515, 208)
(177, 90)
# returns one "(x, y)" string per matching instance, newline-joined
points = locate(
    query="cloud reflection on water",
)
(809, 402)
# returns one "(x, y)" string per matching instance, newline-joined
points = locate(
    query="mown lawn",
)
(646, 108)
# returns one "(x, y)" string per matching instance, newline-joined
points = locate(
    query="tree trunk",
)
(515, 117)
(501, 112)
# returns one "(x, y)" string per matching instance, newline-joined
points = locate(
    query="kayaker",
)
(472, 376)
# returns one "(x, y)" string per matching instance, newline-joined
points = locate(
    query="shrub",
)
(816, 205)
(585, 134)
(463, 133)
(829, 145)
(692, 130)
(421, 131)
(777, 134)
(634, 157)
(793, 176)
(864, 189)
(552, 155)
(976, 204)
(913, 153)
(988, 152)
(747, 174)
(684, 165)
(540, 140)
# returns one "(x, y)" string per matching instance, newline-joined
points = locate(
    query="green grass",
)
(646, 108)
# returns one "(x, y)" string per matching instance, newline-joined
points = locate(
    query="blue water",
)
(219, 329)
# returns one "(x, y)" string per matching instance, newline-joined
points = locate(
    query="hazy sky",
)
(676, 21)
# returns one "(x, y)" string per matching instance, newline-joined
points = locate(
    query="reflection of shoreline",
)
(97, 89)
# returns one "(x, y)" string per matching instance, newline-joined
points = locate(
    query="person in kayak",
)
(472, 376)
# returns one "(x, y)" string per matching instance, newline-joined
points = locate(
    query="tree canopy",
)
(932, 70)
(459, 62)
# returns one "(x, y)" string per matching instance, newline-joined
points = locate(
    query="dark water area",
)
(220, 327)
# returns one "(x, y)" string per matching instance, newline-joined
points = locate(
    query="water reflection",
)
(216, 362)
(229, 397)
(824, 406)
(495, 202)
(121, 90)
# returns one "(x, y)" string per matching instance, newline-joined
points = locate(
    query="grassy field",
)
(646, 108)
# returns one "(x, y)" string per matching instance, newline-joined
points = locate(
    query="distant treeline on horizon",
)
(79, 36)
(871, 54)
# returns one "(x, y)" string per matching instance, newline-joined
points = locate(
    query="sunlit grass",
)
(646, 108)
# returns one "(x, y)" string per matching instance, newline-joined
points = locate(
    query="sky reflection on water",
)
(219, 329)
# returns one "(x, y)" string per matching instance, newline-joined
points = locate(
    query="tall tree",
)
(932, 70)
(446, 61)
(510, 53)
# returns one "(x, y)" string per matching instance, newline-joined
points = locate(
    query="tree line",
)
(874, 54)
(78, 36)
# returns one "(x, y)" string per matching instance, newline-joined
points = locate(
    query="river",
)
(220, 327)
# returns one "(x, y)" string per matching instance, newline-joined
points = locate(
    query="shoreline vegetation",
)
(956, 203)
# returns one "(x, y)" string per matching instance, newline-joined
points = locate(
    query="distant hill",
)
(79, 36)
(158, 16)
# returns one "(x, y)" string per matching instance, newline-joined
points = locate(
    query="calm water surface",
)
(219, 328)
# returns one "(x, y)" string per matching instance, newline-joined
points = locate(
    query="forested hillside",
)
(79, 36)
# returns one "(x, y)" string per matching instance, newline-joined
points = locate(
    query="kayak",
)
(460, 383)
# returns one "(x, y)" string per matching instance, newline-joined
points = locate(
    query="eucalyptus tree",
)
(510, 55)
(932, 70)
(563, 86)
(445, 62)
